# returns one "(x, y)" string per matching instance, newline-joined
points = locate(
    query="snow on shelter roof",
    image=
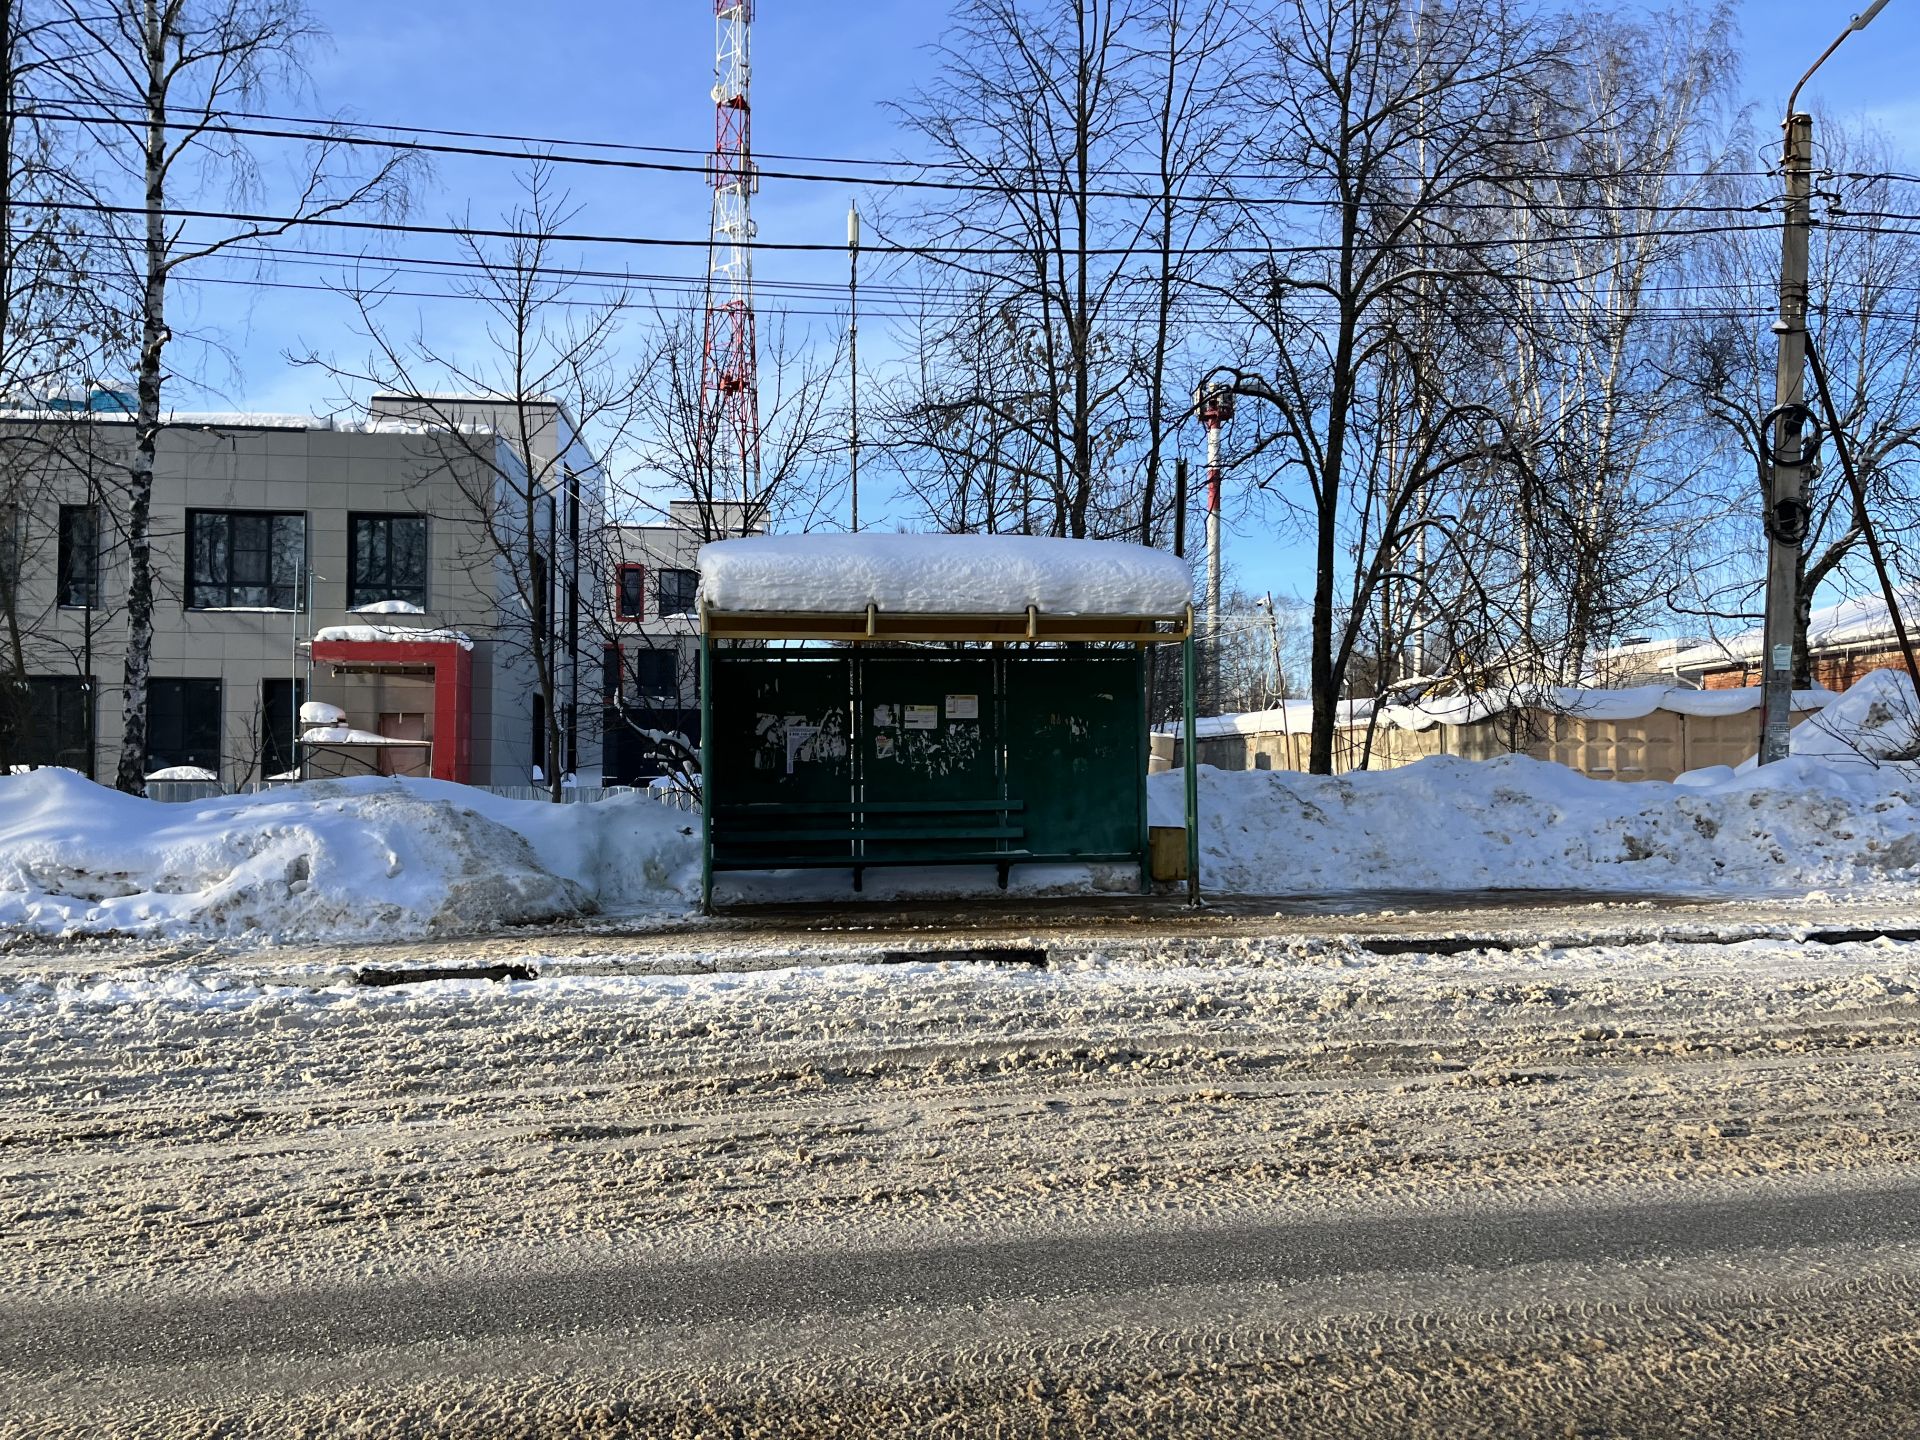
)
(941, 575)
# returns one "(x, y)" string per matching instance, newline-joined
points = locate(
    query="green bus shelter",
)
(894, 700)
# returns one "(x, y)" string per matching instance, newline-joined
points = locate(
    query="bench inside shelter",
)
(863, 834)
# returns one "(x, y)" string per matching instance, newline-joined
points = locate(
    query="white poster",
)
(885, 717)
(963, 707)
(923, 717)
(798, 738)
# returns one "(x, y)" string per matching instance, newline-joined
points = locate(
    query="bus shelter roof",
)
(1000, 589)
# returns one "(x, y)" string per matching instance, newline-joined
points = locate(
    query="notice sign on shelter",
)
(923, 717)
(963, 707)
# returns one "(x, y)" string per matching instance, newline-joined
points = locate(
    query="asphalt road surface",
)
(1260, 1183)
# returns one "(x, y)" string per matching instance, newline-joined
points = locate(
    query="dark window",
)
(54, 717)
(183, 724)
(79, 564)
(610, 674)
(244, 558)
(9, 549)
(653, 673)
(539, 756)
(678, 591)
(630, 600)
(538, 568)
(386, 559)
(280, 702)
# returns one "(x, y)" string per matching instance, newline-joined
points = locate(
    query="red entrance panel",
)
(452, 667)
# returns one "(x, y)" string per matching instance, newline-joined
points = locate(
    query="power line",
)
(270, 223)
(545, 142)
(1016, 186)
(425, 264)
(1644, 314)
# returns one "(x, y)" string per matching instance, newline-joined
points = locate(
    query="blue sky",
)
(640, 74)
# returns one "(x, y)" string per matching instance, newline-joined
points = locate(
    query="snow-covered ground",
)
(373, 859)
(1581, 1183)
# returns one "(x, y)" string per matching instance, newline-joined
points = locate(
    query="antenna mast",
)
(729, 370)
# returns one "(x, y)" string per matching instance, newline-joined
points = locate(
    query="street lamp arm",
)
(1859, 22)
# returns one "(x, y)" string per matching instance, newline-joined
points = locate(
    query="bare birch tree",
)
(1619, 176)
(54, 336)
(151, 81)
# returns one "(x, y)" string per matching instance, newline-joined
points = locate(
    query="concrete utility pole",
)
(1215, 406)
(1793, 457)
(853, 352)
(1795, 433)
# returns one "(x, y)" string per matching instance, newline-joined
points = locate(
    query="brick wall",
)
(1836, 672)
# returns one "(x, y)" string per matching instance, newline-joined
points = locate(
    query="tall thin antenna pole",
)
(729, 377)
(853, 350)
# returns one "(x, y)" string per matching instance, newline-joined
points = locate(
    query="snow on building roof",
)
(388, 607)
(347, 735)
(252, 420)
(941, 575)
(1295, 717)
(1861, 620)
(394, 634)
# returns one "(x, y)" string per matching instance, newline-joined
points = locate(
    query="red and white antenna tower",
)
(729, 372)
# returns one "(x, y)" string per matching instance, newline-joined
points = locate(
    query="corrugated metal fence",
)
(1658, 746)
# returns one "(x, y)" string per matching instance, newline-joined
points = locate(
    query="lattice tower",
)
(729, 380)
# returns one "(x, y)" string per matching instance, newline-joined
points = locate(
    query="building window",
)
(630, 597)
(610, 674)
(10, 547)
(183, 724)
(55, 720)
(386, 559)
(653, 675)
(280, 702)
(678, 591)
(245, 559)
(79, 561)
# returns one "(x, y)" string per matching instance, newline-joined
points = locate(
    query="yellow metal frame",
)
(874, 626)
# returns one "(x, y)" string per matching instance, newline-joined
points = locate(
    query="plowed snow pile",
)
(342, 859)
(1448, 823)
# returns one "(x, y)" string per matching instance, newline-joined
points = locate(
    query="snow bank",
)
(941, 575)
(1876, 719)
(1448, 823)
(365, 858)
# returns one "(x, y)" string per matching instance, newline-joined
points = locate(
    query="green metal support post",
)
(1192, 773)
(1142, 682)
(706, 775)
